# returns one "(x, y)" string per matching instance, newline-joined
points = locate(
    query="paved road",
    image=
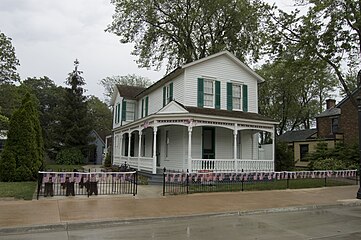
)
(342, 222)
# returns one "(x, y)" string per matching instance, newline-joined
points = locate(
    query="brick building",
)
(338, 123)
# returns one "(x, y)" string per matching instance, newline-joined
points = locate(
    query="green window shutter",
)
(118, 113)
(170, 91)
(245, 98)
(115, 114)
(164, 95)
(146, 106)
(200, 92)
(142, 107)
(217, 102)
(124, 110)
(229, 96)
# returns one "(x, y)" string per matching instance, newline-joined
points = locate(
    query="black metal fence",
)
(94, 183)
(185, 183)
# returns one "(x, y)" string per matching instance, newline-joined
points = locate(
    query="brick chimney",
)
(330, 103)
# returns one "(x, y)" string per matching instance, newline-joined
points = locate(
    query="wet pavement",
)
(64, 213)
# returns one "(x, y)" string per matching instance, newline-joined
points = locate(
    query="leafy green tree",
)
(131, 80)
(183, 31)
(100, 114)
(23, 153)
(75, 124)
(10, 100)
(50, 99)
(8, 61)
(294, 91)
(329, 31)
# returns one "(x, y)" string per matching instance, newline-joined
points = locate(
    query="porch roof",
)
(230, 114)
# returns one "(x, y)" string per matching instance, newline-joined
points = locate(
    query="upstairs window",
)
(208, 93)
(145, 106)
(130, 111)
(167, 94)
(237, 96)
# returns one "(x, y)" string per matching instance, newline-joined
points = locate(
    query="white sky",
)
(49, 35)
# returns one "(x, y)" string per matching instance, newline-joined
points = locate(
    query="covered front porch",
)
(195, 144)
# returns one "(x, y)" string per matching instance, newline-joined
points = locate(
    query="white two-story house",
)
(203, 116)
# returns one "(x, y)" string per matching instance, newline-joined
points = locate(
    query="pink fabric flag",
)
(45, 178)
(255, 176)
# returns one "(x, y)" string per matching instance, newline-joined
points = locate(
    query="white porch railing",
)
(231, 165)
(145, 163)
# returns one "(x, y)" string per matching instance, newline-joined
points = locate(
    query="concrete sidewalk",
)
(50, 212)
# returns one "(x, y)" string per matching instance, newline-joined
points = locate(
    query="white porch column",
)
(121, 147)
(235, 133)
(155, 129)
(139, 147)
(129, 140)
(190, 149)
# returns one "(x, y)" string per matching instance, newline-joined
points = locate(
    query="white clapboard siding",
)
(224, 143)
(176, 147)
(246, 144)
(196, 143)
(222, 69)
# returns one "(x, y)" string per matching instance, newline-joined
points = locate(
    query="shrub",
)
(70, 156)
(107, 160)
(284, 157)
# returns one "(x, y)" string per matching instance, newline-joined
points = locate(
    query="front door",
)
(208, 141)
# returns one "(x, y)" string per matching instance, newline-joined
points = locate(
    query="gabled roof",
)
(230, 56)
(299, 135)
(345, 99)
(129, 92)
(330, 112)
(179, 70)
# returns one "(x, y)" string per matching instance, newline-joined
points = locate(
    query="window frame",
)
(240, 86)
(128, 104)
(205, 80)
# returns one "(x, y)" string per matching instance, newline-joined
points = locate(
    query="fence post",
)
(242, 181)
(164, 169)
(325, 180)
(135, 177)
(187, 182)
(40, 181)
(88, 184)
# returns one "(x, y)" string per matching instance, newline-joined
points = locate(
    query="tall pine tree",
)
(24, 150)
(75, 124)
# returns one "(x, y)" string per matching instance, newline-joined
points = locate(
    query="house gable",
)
(171, 108)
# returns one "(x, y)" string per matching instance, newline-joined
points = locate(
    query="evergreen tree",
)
(24, 152)
(75, 125)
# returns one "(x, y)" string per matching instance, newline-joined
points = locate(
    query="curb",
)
(66, 226)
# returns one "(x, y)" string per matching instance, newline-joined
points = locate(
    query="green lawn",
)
(18, 190)
(270, 185)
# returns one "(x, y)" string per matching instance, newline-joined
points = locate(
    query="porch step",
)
(153, 179)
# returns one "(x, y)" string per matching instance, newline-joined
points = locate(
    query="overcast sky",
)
(49, 35)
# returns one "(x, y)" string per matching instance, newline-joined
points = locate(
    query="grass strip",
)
(17, 190)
